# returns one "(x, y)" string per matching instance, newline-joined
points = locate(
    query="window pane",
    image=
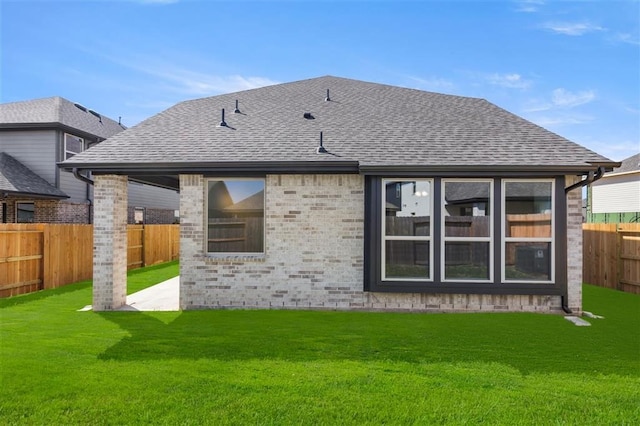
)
(408, 208)
(528, 209)
(25, 212)
(236, 216)
(528, 261)
(407, 259)
(467, 209)
(466, 260)
(73, 144)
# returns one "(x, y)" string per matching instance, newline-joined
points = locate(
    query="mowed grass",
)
(61, 366)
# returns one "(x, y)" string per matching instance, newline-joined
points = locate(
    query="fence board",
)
(21, 253)
(69, 254)
(42, 256)
(611, 256)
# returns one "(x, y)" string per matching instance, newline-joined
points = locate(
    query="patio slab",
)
(164, 296)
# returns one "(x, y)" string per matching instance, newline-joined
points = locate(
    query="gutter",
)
(591, 177)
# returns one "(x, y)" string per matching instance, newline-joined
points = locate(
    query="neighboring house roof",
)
(628, 165)
(252, 204)
(57, 111)
(367, 128)
(16, 178)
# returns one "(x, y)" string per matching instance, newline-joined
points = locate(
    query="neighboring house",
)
(34, 136)
(353, 195)
(615, 198)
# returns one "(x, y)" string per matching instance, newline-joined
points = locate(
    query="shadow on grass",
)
(527, 342)
(43, 294)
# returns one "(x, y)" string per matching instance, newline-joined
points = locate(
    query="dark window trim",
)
(373, 241)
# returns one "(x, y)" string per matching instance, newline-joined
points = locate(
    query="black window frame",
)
(373, 240)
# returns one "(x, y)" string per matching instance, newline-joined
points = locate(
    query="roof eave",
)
(253, 167)
(6, 193)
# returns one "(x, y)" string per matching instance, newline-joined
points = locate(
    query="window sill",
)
(236, 257)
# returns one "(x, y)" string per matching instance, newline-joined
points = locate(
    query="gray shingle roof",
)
(57, 110)
(17, 178)
(367, 124)
(631, 164)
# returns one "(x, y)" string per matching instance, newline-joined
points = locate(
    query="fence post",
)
(619, 261)
(45, 263)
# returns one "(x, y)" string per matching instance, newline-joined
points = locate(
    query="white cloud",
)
(572, 28)
(511, 81)
(627, 38)
(432, 83)
(560, 99)
(529, 6)
(566, 99)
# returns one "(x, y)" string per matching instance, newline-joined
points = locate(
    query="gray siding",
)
(36, 149)
(74, 188)
(153, 197)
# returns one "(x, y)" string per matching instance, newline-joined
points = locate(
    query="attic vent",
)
(327, 99)
(236, 111)
(321, 149)
(80, 107)
(92, 112)
(308, 116)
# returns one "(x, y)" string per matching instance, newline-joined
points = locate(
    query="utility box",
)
(533, 259)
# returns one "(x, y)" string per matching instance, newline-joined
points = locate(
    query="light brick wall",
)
(110, 242)
(313, 257)
(574, 246)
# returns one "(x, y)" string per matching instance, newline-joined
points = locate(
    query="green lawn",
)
(61, 366)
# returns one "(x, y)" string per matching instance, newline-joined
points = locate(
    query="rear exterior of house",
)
(332, 193)
(34, 136)
(615, 198)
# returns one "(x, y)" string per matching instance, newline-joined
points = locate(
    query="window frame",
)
(444, 238)
(373, 194)
(83, 145)
(16, 216)
(386, 238)
(233, 254)
(551, 240)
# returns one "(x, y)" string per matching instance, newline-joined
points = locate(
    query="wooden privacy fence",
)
(42, 256)
(611, 255)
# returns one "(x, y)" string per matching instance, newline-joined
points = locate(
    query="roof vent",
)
(222, 123)
(236, 111)
(308, 116)
(80, 107)
(321, 149)
(92, 112)
(327, 99)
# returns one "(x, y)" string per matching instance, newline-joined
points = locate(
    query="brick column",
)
(110, 243)
(192, 239)
(574, 246)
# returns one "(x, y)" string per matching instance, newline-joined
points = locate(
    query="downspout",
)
(591, 177)
(88, 181)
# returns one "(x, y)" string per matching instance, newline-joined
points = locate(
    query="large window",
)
(465, 235)
(528, 230)
(407, 229)
(235, 216)
(467, 230)
(25, 212)
(72, 145)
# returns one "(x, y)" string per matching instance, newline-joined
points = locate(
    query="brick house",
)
(37, 134)
(333, 193)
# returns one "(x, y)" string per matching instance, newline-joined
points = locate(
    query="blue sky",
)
(572, 67)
